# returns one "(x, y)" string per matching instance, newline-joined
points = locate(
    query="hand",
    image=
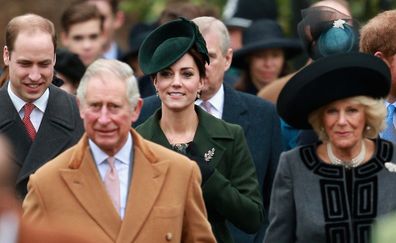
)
(204, 166)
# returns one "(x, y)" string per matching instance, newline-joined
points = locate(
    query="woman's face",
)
(266, 66)
(179, 84)
(344, 122)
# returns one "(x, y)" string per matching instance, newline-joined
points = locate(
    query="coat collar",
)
(210, 132)
(150, 171)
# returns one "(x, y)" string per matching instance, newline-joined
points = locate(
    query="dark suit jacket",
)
(261, 125)
(232, 191)
(60, 128)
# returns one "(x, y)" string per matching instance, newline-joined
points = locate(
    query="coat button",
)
(168, 236)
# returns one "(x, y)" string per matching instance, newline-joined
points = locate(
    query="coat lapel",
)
(147, 181)
(235, 109)
(12, 127)
(86, 186)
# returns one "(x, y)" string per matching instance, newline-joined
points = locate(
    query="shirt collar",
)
(217, 100)
(111, 53)
(40, 103)
(123, 155)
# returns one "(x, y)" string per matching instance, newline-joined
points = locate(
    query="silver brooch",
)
(339, 23)
(390, 166)
(209, 155)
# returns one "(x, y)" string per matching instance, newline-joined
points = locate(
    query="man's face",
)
(107, 114)
(85, 39)
(219, 63)
(31, 64)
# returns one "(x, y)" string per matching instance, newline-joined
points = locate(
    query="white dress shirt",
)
(111, 53)
(122, 164)
(216, 102)
(38, 112)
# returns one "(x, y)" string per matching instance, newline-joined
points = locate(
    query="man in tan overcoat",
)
(152, 195)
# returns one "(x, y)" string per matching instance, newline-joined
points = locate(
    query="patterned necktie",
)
(389, 133)
(207, 106)
(112, 183)
(28, 108)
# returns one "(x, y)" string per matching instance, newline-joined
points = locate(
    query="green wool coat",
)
(232, 191)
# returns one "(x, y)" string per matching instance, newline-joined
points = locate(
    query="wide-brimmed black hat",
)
(265, 34)
(329, 79)
(168, 43)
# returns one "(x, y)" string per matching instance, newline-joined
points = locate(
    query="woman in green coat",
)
(175, 55)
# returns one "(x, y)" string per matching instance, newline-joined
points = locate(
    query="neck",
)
(391, 98)
(179, 126)
(347, 157)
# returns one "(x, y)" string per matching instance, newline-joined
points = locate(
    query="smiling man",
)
(39, 119)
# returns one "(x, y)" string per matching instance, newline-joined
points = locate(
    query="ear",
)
(228, 58)
(64, 39)
(136, 111)
(382, 57)
(119, 19)
(80, 108)
(6, 56)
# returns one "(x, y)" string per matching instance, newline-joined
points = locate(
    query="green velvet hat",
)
(168, 43)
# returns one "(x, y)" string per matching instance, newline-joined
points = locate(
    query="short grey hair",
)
(118, 70)
(375, 117)
(211, 24)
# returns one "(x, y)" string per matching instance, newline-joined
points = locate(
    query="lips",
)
(175, 93)
(33, 88)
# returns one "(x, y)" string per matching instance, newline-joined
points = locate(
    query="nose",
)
(176, 80)
(104, 115)
(87, 44)
(34, 74)
(342, 118)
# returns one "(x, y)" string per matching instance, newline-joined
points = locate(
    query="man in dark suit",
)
(39, 119)
(257, 117)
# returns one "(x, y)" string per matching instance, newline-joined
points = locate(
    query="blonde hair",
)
(374, 109)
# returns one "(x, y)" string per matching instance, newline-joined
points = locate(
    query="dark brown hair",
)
(80, 12)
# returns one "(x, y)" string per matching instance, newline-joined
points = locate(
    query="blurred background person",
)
(239, 14)
(378, 38)
(333, 190)
(70, 69)
(264, 55)
(114, 19)
(175, 55)
(316, 20)
(82, 31)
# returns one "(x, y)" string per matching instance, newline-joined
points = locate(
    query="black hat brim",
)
(329, 79)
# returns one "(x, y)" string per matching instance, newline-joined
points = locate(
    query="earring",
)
(198, 94)
(368, 127)
(156, 93)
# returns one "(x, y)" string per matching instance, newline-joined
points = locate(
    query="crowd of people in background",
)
(207, 128)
